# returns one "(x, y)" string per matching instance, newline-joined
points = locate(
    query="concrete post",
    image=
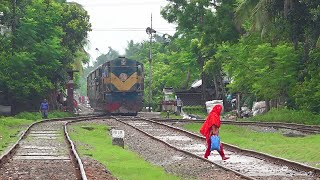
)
(117, 137)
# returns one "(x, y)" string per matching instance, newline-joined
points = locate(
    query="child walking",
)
(211, 127)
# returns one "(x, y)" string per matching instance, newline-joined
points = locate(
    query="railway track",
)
(309, 129)
(174, 161)
(44, 151)
(244, 163)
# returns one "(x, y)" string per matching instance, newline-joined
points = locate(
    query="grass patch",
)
(287, 115)
(38, 116)
(172, 115)
(300, 149)
(196, 110)
(9, 131)
(122, 163)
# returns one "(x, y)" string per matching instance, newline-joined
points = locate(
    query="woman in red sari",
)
(211, 127)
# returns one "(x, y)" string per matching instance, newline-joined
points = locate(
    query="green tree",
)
(36, 56)
(206, 24)
(259, 68)
(290, 21)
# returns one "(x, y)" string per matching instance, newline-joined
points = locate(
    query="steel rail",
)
(259, 155)
(75, 153)
(10, 152)
(180, 150)
(311, 129)
(73, 146)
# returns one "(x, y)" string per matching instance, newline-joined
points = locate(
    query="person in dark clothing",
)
(44, 108)
(60, 97)
(179, 106)
(62, 103)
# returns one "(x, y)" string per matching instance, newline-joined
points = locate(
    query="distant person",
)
(44, 108)
(229, 98)
(60, 100)
(82, 99)
(179, 105)
(75, 106)
(211, 127)
(234, 103)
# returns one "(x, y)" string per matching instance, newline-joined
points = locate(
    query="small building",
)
(192, 96)
(169, 101)
(5, 108)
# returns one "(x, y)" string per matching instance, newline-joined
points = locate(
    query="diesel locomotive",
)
(117, 87)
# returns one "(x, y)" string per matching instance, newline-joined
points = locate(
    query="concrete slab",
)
(174, 138)
(194, 147)
(140, 124)
(48, 138)
(149, 114)
(45, 132)
(41, 158)
(38, 147)
(44, 135)
(39, 154)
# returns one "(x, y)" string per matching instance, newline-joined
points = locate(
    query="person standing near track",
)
(44, 108)
(179, 106)
(211, 127)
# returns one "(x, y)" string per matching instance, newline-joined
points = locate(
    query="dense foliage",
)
(277, 57)
(44, 40)
(269, 49)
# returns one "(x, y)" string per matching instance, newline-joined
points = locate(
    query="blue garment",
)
(44, 106)
(215, 143)
(229, 98)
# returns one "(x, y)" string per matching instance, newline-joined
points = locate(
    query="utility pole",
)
(149, 31)
(70, 91)
(150, 69)
(202, 60)
(14, 24)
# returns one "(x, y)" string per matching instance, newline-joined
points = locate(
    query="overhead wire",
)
(130, 29)
(121, 4)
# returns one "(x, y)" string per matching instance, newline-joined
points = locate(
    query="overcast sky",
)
(115, 22)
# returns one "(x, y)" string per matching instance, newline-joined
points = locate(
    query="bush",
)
(29, 116)
(194, 110)
(59, 114)
(288, 115)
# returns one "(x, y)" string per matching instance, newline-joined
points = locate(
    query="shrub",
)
(194, 110)
(290, 116)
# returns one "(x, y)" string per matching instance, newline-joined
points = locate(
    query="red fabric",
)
(212, 119)
(113, 106)
(75, 103)
(208, 151)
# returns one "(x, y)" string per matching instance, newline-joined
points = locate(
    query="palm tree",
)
(256, 11)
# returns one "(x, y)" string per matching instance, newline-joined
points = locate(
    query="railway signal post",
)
(149, 31)
(70, 88)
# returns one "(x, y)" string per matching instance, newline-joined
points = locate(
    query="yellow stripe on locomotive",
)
(125, 85)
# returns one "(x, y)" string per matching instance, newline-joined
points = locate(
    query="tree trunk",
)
(238, 104)
(203, 89)
(215, 81)
(185, 86)
(267, 105)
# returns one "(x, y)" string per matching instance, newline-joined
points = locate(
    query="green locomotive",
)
(117, 87)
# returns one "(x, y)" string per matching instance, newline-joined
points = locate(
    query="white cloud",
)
(114, 22)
